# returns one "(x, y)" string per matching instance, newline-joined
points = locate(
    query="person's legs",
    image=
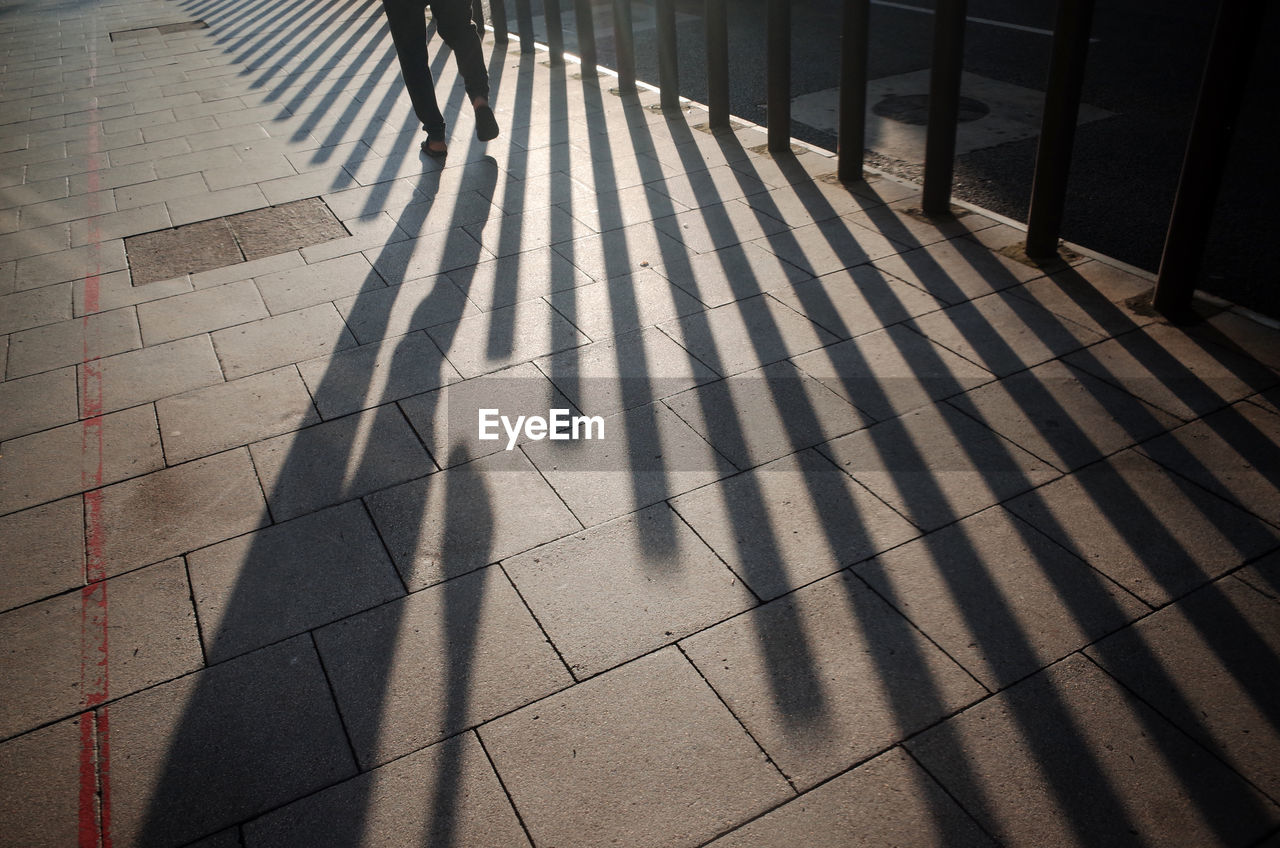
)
(453, 22)
(408, 24)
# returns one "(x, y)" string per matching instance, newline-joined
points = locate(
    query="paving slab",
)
(712, 228)
(957, 270)
(70, 265)
(645, 755)
(1068, 757)
(72, 342)
(447, 420)
(621, 589)
(828, 676)
(1063, 415)
(447, 794)
(623, 304)
(829, 246)
(281, 340)
(175, 510)
(790, 522)
(856, 301)
(715, 185)
(106, 292)
(618, 253)
(145, 375)
(382, 313)
(537, 227)
(1235, 452)
(746, 334)
(615, 374)
(150, 638)
(229, 415)
(40, 772)
(411, 673)
(38, 402)
(1150, 531)
(191, 757)
(200, 312)
(34, 308)
(338, 460)
(468, 516)
(362, 377)
(525, 276)
(644, 455)
(614, 209)
(309, 285)
(1208, 663)
(1000, 598)
(936, 465)
(1004, 334)
(1093, 294)
(256, 589)
(43, 551)
(758, 416)
(890, 372)
(1170, 369)
(1263, 575)
(481, 344)
(888, 800)
(66, 460)
(734, 273)
(438, 253)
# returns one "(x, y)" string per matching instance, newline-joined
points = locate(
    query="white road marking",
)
(987, 21)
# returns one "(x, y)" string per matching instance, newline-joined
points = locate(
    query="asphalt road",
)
(1144, 69)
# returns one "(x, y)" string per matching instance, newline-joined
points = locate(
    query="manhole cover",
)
(914, 109)
(220, 242)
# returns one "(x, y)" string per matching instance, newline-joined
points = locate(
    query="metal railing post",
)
(1235, 38)
(555, 30)
(524, 20)
(778, 88)
(717, 26)
(586, 36)
(668, 61)
(944, 105)
(1058, 127)
(624, 46)
(498, 20)
(851, 140)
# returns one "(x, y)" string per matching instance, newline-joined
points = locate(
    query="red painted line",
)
(94, 824)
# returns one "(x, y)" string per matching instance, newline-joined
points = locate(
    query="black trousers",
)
(408, 23)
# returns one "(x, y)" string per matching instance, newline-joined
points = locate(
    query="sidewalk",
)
(889, 538)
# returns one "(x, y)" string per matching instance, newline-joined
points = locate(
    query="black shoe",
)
(435, 154)
(486, 123)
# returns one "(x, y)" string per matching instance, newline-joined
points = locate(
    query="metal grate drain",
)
(221, 242)
(159, 29)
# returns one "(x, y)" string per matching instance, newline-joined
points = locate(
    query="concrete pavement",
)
(884, 537)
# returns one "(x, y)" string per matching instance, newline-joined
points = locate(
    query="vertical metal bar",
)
(498, 19)
(555, 30)
(1058, 127)
(944, 105)
(717, 27)
(586, 36)
(1235, 39)
(778, 87)
(854, 51)
(477, 17)
(524, 20)
(668, 62)
(624, 46)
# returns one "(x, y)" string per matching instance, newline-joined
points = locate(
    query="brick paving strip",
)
(95, 673)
